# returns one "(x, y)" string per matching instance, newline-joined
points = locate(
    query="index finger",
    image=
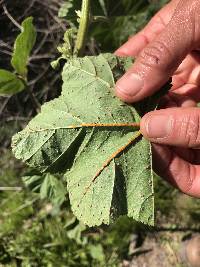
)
(160, 58)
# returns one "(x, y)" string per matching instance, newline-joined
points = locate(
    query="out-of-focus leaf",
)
(68, 9)
(9, 83)
(33, 182)
(49, 187)
(125, 18)
(53, 189)
(23, 46)
(103, 6)
(76, 233)
(97, 253)
(124, 7)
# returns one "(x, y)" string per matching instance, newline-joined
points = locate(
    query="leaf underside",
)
(86, 134)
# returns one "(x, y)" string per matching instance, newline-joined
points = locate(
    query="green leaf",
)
(126, 18)
(33, 182)
(69, 7)
(64, 9)
(53, 189)
(9, 83)
(89, 135)
(97, 253)
(76, 233)
(49, 187)
(103, 6)
(23, 46)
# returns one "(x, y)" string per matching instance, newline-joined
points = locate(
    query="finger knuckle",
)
(191, 178)
(183, 179)
(188, 180)
(156, 55)
(189, 129)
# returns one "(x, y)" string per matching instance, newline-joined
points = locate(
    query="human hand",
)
(168, 46)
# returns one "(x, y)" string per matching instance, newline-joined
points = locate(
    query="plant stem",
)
(11, 18)
(33, 99)
(83, 28)
(10, 188)
(99, 19)
(31, 95)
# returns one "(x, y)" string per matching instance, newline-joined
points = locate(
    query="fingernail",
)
(130, 84)
(159, 126)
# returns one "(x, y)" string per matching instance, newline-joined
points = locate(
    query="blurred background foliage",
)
(37, 227)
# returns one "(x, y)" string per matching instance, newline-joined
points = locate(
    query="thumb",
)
(173, 126)
(161, 57)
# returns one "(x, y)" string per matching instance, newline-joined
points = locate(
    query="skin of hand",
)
(168, 47)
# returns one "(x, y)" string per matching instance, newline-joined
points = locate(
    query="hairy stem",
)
(83, 28)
